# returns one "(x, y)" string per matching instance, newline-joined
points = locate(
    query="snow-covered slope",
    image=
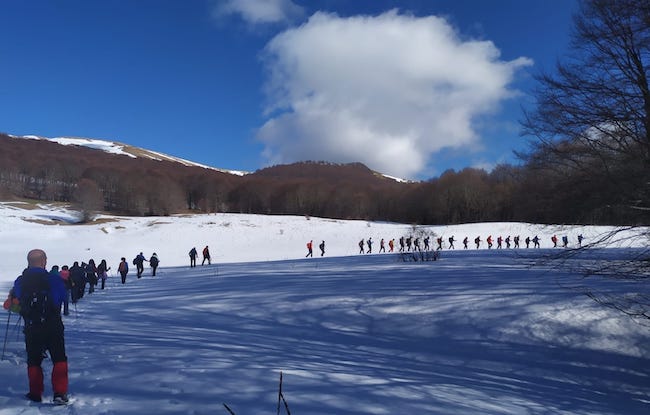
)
(477, 332)
(124, 149)
(231, 237)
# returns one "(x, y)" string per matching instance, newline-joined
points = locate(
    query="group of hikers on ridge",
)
(412, 244)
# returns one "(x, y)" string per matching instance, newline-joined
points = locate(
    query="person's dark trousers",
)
(140, 270)
(123, 274)
(66, 302)
(154, 270)
(103, 282)
(46, 337)
(192, 262)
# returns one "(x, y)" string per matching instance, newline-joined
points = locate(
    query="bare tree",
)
(591, 123)
(593, 116)
(88, 199)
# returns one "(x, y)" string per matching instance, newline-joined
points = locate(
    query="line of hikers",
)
(79, 276)
(411, 244)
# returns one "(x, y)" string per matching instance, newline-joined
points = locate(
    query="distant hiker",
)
(451, 242)
(138, 261)
(426, 243)
(580, 238)
(310, 252)
(102, 272)
(391, 245)
(401, 244)
(500, 242)
(67, 282)
(554, 240)
(416, 244)
(361, 245)
(382, 246)
(322, 248)
(489, 241)
(91, 275)
(78, 276)
(206, 256)
(565, 241)
(516, 240)
(465, 242)
(477, 241)
(408, 243)
(41, 295)
(536, 242)
(439, 241)
(193, 255)
(153, 263)
(508, 242)
(123, 269)
(369, 243)
(527, 240)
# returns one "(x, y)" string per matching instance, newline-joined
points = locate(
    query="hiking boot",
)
(60, 399)
(33, 398)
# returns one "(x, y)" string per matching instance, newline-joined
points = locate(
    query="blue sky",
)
(410, 88)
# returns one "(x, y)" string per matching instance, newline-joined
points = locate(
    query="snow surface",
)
(477, 332)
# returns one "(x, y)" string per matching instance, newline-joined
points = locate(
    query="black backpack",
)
(36, 306)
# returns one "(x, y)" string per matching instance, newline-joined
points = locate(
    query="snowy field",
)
(477, 332)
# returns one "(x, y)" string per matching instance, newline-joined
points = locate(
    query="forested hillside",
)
(98, 181)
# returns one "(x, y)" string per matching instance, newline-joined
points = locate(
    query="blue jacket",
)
(57, 287)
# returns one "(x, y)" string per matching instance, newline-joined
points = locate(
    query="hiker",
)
(102, 272)
(310, 252)
(41, 294)
(580, 238)
(206, 256)
(369, 243)
(361, 245)
(465, 242)
(565, 241)
(382, 246)
(527, 240)
(489, 241)
(401, 244)
(322, 248)
(91, 275)
(477, 241)
(193, 255)
(536, 242)
(416, 244)
(153, 262)
(123, 269)
(138, 261)
(451, 242)
(426, 243)
(439, 242)
(554, 240)
(67, 282)
(500, 242)
(391, 245)
(78, 277)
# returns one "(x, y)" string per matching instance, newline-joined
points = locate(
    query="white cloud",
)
(387, 90)
(260, 11)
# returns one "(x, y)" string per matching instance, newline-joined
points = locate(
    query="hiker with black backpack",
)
(41, 294)
(153, 262)
(138, 261)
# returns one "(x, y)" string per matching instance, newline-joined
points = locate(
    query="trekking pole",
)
(6, 333)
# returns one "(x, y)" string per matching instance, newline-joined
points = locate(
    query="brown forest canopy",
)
(96, 180)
